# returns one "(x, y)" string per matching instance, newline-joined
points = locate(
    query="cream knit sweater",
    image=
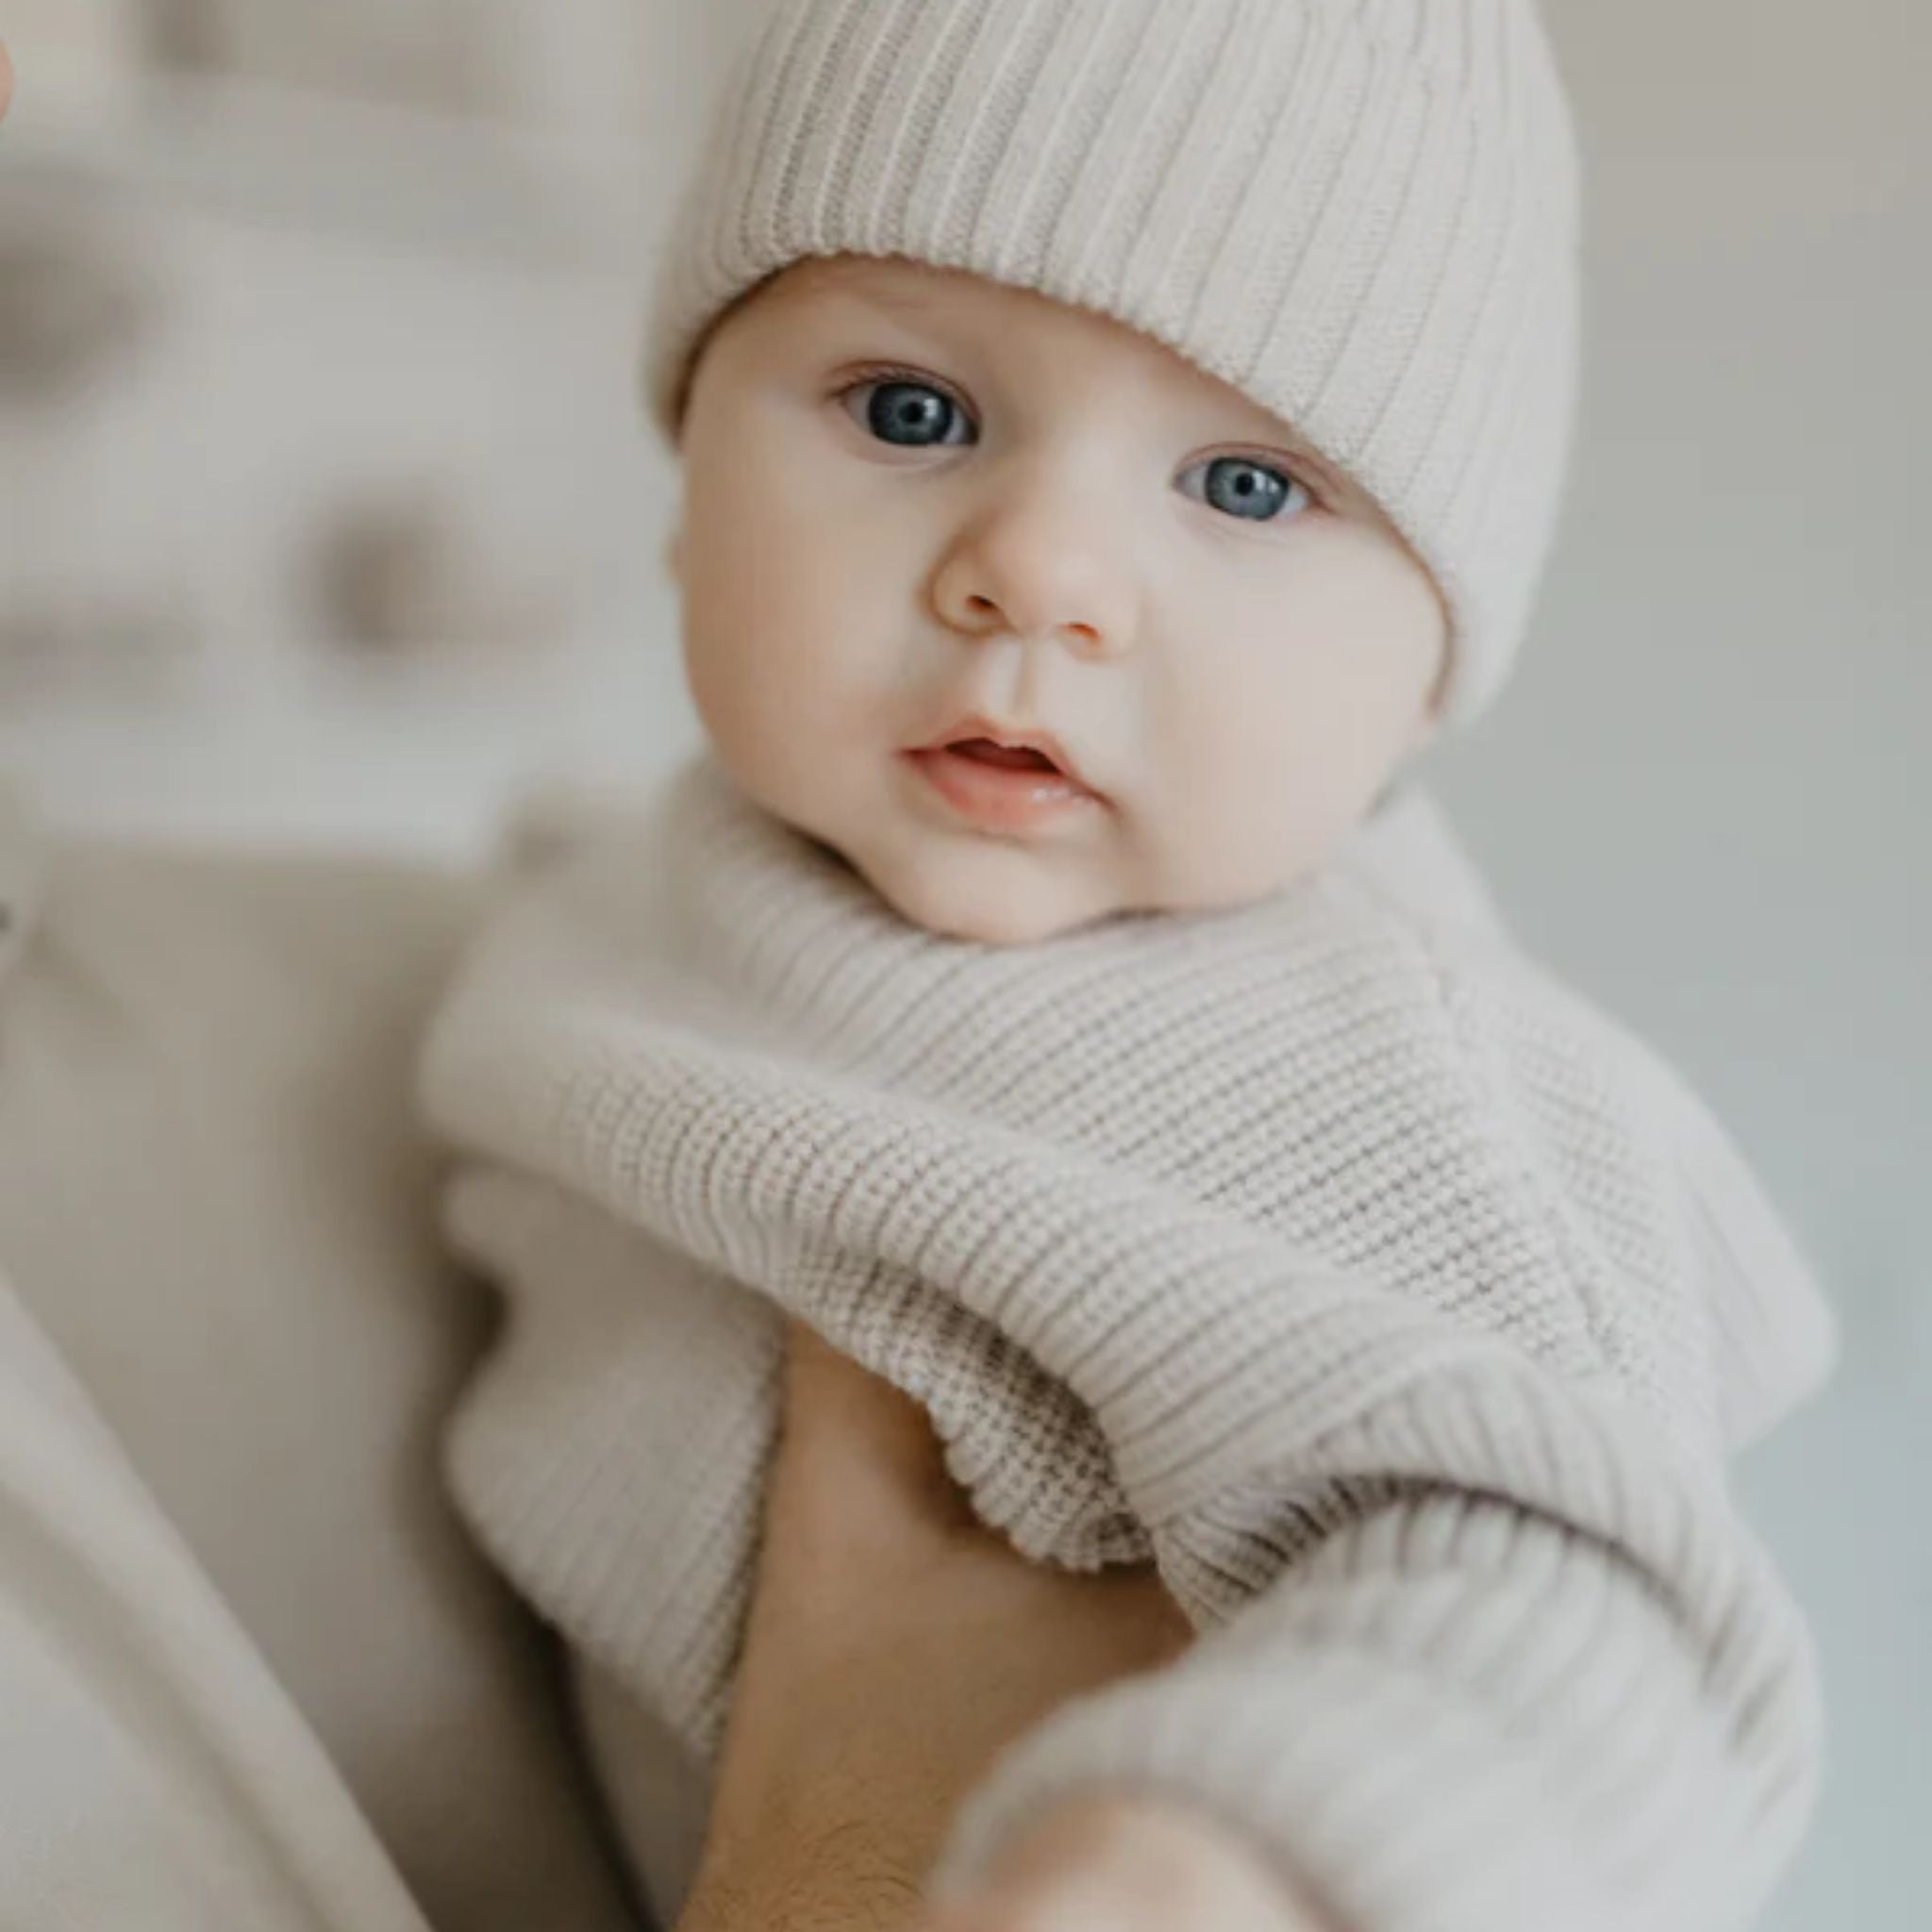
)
(1397, 1305)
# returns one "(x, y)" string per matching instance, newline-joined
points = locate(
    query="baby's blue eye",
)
(913, 415)
(916, 415)
(1249, 490)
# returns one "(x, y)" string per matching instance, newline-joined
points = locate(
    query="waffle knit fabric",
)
(1396, 1303)
(1361, 213)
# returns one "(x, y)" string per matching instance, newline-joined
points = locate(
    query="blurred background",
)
(326, 514)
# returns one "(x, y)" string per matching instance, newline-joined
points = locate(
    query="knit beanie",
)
(1363, 214)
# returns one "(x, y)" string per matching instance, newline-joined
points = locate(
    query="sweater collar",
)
(1361, 1075)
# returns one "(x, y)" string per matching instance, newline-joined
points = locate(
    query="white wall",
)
(1710, 795)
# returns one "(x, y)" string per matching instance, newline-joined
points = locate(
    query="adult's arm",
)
(216, 1218)
(1459, 1709)
(153, 1776)
(895, 1647)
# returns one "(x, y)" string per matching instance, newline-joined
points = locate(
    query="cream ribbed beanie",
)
(1361, 213)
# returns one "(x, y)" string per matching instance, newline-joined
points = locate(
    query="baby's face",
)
(922, 506)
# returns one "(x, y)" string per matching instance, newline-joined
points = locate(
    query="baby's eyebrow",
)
(915, 306)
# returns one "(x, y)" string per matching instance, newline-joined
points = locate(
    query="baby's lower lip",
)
(1002, 797)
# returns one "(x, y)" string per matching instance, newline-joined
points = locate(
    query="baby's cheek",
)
(711, 674)
(1225, 763)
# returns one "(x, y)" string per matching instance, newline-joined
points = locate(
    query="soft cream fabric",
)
(252, 1674)
(1398, 1305)
(153, 1773)
(1363, 213)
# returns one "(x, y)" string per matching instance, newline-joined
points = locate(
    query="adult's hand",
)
(894, 1647)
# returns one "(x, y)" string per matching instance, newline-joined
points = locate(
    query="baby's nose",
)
(1039, 580)
(993, 618)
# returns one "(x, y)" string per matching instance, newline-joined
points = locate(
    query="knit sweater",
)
(1391, 1300)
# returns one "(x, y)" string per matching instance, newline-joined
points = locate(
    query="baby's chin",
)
(995, 896)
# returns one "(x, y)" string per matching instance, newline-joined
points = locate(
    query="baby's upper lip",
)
(1013, 737)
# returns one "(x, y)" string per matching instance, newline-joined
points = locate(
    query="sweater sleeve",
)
(1517, 1662)
(1521, 1663)
(1588, 1704)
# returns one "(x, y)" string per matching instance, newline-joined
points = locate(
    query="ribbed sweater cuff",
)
(1455, 1754)
(1380, 1800)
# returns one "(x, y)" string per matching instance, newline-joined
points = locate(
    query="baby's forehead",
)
(996, 319)
(921, 294)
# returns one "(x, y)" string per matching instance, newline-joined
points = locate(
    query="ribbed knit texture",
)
(1363, 213)
(1396, 1303)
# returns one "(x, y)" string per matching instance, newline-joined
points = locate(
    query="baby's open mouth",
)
(1013, 758)
(1005, 788)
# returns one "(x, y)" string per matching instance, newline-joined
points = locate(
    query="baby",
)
(1117, 434)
